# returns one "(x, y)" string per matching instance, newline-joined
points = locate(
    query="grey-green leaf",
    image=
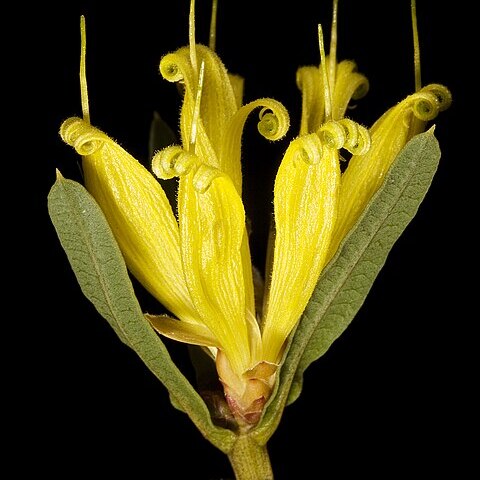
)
(345, 283)
(101, 272)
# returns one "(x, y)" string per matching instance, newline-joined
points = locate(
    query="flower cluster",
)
(196, 260)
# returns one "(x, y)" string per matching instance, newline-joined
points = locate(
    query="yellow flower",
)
(389, 134)
(328, 89)
(196, 261)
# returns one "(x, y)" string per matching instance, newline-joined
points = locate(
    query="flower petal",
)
(365, 173)
(348, 84)
(212, 229)
(218, 105)
(305, 201)
(192, 333)
(138, 212)
(273, 125)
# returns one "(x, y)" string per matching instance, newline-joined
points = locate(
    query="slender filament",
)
(191, 36)
(83, 75)
(416, 48)
(333, 46)
(196, 110)
(323, 70)
(213, 26)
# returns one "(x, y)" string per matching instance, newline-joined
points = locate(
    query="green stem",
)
(249, 460)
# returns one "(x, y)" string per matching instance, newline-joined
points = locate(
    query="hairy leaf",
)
(101, 272)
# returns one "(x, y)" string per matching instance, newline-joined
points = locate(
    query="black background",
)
(391, 395)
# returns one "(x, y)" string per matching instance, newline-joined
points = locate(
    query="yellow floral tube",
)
(305, 204)
(138, 212)
(212, 225)
(364, 173)
(219, 103)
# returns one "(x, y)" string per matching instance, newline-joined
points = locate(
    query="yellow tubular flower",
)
(221, 118)
(364, 173)
(138, 212)
(135, 206)
(306, 191)
(305, 203)
(389, 134)
(212, 226)
(349, 85)
(217, 107)
(306, 199)
(341, 79)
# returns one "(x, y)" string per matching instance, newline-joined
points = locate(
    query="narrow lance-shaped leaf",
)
(346, 281)
(101, 272)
